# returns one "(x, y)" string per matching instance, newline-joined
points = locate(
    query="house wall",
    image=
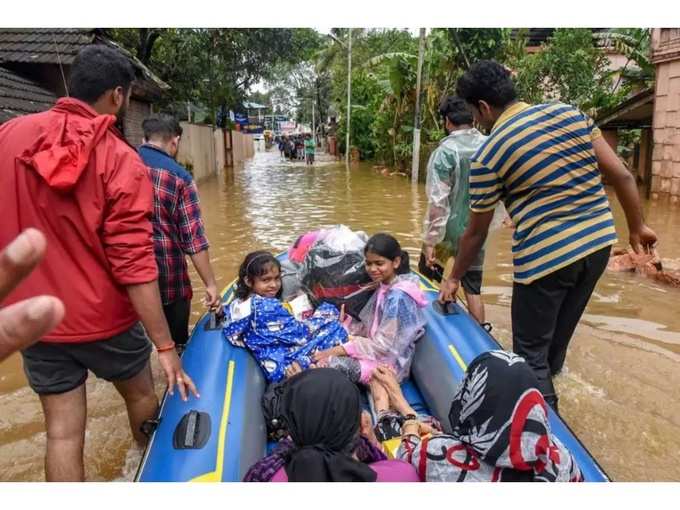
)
(136, 113)
(220, 154)
(644, 167)
(202, 149)
(666, 124)
(244, 147)
(197, 150)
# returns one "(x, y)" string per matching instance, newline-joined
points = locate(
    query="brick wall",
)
(137, 112)
(666, 124)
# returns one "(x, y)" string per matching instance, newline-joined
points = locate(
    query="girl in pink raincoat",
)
(389, 326)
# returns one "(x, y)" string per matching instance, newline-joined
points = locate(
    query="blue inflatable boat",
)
(218, 437)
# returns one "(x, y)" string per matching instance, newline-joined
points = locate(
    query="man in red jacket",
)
(69, 173)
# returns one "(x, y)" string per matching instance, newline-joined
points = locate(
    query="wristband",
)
(167, 348)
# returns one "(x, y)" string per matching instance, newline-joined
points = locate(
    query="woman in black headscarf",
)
(322, 412)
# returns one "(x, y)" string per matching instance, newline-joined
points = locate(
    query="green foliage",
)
(216, 67)
(472, 44)
(569, 68)
(573, 67)
(383, 79)
(628, 140)
(387, 59)
(635, 44)
(366, 95)
(295, 87)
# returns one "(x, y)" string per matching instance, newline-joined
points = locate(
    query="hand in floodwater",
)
(25, 322)
(643, 240)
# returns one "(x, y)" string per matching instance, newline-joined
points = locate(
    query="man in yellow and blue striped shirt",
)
(544, 162)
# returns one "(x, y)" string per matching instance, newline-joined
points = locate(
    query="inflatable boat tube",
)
(218, 437)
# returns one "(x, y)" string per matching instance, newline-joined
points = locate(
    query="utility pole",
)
(349, 94)
(416, 123)
(349, 88)
(313, 124)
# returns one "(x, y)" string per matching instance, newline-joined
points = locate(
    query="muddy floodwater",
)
(620, 390)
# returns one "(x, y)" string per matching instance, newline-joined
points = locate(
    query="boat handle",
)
(192, 431)
(215, 319)
(448, 308)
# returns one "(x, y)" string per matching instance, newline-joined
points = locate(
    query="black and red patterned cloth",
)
(500, 430)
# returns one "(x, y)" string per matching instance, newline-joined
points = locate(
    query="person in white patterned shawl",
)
(499, 428)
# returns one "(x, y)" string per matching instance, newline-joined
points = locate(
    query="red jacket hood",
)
(63, 150)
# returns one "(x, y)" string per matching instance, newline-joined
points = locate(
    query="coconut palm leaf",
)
(388, 57)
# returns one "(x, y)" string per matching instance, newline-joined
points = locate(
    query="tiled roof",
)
(60, 46)
(19, 96)
(43, 45)
(633, 113)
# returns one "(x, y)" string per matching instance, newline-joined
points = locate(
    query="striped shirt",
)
(540, 161)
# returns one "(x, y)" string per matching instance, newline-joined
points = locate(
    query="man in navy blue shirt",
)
(178, 228)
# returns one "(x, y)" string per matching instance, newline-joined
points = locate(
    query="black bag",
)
(338, 278)
(271, 409)
(436, 273)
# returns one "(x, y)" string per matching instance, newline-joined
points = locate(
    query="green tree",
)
(215, 67)
(375, 53)
(635, 44)
(570, 67)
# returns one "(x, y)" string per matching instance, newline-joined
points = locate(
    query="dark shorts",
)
(57, 368)
(472, 282)
(177, 314)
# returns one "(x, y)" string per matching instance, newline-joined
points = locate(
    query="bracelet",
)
(167, 348)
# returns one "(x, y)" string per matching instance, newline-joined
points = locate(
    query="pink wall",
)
(666, 124)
